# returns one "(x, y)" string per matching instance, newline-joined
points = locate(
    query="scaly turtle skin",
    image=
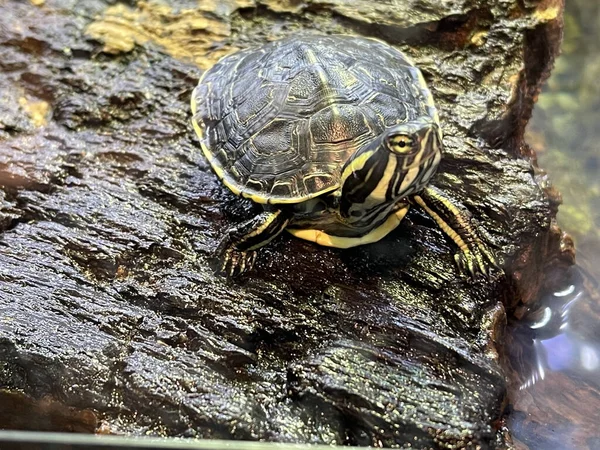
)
(335, 135)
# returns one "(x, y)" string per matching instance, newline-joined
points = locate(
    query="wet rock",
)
(109, 214)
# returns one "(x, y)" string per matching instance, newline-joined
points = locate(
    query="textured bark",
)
(110, 213)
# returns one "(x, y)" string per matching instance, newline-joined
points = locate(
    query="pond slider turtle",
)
(335, 135)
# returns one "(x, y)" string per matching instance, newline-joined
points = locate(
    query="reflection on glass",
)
(558, 355)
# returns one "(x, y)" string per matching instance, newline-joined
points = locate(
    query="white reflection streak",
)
(566, 309)
(546, 316)
(589, 358)
(540, 372)
(567, 306)
(569, 290)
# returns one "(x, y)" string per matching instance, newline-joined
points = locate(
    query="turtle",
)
(336, 136)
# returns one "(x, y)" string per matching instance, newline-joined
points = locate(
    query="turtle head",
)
(396, 164)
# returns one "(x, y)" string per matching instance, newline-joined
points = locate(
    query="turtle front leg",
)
(236, 252)
(458, 224)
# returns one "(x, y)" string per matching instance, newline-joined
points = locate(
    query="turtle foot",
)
(477, 261)
(233, 263)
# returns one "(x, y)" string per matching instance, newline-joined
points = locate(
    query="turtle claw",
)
(476, 261)
(233, 263)
(236, 253)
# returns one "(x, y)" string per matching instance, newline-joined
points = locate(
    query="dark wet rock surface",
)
(109, 214)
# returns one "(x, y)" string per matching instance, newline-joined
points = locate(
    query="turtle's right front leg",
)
(236, 252)
(474, 256)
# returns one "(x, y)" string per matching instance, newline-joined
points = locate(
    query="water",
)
(555, 350)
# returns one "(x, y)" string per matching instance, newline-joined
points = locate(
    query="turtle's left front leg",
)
(474, 256)
(236, 252)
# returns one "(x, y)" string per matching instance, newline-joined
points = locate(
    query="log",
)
(109, 215)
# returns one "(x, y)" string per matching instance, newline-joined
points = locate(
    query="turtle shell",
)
(277, 123)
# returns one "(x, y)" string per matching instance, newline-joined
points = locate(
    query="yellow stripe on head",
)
(356, 164)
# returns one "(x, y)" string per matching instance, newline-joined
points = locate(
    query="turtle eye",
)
(400, 143)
